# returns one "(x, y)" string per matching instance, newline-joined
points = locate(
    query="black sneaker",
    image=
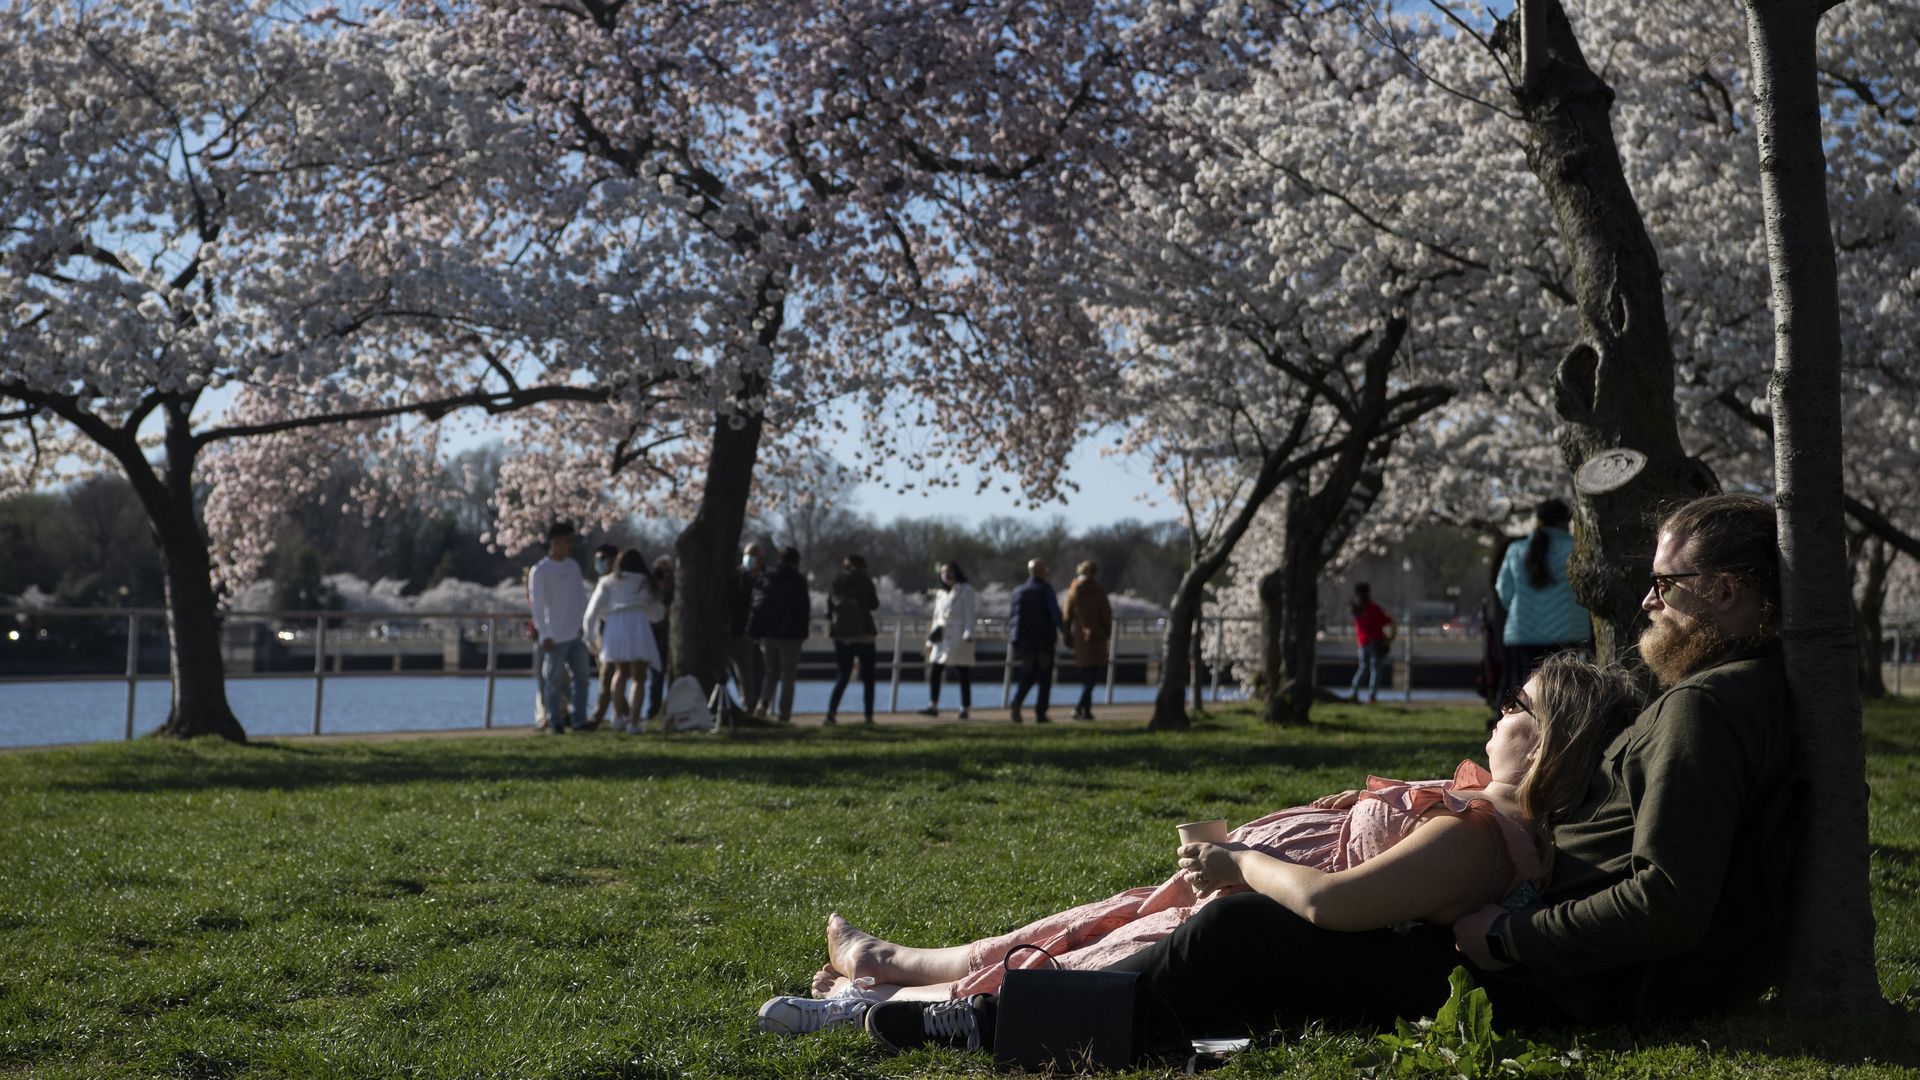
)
(963, 1023)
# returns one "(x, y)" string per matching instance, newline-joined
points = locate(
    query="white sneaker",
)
(804, 1015)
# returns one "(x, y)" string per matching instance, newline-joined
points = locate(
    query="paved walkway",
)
(1131, 713)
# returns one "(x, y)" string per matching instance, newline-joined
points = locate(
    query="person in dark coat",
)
(1089, 630)
(778, 619)
(1033, 633)
(851, 603)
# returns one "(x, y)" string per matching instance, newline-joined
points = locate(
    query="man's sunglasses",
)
(1663, 582)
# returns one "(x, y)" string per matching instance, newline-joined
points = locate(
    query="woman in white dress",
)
(950, 639)
(626, 602)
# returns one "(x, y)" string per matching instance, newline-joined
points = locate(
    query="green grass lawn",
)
(603, 906)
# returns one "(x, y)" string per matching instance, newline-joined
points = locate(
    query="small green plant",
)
(1460, 1042)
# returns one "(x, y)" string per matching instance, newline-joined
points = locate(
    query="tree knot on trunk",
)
(1576, 384)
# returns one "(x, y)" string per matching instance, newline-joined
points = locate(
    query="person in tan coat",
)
(1088, 627)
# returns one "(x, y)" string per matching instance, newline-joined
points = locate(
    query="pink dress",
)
(1104, 932)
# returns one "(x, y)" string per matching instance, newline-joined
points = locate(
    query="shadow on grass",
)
(789, 758)
(1893, 1038)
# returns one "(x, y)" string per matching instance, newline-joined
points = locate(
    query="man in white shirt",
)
(559, 598)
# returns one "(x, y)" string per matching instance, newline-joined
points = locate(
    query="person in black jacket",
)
(1034, 632)
(743, 654)
(850, 607)
(778, 620)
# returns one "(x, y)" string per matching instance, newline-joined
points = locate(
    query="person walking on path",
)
(743, 654)
(1088, 619)
(950, 639)
(1034, 625)
(1373, 635)
(851, 603)
(625, 603)
(778, 620)
(559, 597)
(1543, 617)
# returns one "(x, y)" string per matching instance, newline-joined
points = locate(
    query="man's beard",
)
(1673, 652)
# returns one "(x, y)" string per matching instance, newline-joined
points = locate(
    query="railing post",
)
(493, 665)
(133, 666)
(1113, 655)
(893, 691)
(319, 670)
(1219, 653)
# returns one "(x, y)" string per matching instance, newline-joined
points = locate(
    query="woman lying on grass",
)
(1393, 852)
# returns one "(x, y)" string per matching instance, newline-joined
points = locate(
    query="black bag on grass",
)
(1064, 1020)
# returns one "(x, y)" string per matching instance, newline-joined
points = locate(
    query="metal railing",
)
(333, 635)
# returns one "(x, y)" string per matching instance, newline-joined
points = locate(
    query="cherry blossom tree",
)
(1305, 283)
(870, 175)
(225, 231)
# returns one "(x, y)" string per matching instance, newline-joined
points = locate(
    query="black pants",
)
(1244, 961)
(1035, 666)
(844, 654)
(1090, 677)
(962, 677)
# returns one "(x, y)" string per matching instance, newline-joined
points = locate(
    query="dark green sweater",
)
(1669, 883)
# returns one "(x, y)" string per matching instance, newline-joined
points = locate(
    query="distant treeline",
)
(89, 545)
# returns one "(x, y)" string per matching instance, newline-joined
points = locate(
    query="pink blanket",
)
(1106, 931)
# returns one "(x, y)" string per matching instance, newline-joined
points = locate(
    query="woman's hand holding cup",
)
(1204, 861)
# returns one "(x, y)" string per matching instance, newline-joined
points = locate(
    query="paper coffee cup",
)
(1204, 832)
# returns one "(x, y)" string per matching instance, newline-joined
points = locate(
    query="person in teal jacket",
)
(1543, 618)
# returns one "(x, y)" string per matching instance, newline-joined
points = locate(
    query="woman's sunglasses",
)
(1514, 700)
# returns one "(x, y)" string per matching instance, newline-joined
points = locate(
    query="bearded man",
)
(1667, 891)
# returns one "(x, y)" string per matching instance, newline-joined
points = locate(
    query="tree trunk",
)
(706, 552)
(1613, 389)
(1830, 948)
(199, 705)
(1176, 655)
(1198, 647)
(1273, 608)
(1869, 601)
(1295, 595)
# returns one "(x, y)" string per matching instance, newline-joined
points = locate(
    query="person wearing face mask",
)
(603, 557)
(743, 653)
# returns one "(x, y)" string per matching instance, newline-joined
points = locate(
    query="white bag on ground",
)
(686, 706)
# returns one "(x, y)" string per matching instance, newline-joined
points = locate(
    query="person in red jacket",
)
(1373, 630)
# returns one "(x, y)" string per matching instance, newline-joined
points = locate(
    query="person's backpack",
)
(686, 707)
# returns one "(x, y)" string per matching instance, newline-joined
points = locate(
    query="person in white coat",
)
(619, 624)
(950, 639)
